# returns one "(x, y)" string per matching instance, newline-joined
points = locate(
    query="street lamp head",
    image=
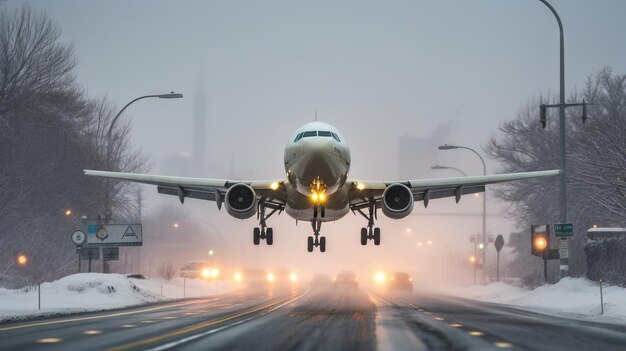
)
(437, 166)
(447, 147)
(171, 95)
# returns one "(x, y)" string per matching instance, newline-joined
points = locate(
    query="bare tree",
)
(596, 167)
(166, 270)
(49, 132)
(33, 62)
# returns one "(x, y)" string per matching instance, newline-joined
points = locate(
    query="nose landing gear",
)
(316, 240)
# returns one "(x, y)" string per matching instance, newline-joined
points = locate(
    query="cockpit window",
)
(324, 133)
(336, 137)
(310, 133)
(298, 137)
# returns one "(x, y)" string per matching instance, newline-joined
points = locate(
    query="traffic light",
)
(542, 115)
(540, 240)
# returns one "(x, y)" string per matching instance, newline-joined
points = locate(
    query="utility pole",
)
(564, 261)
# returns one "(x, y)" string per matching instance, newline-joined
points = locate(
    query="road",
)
(296, 319)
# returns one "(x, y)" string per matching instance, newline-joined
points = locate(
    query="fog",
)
(398, 79)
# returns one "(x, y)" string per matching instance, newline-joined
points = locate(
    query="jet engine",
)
(397, 201)
(241, 201)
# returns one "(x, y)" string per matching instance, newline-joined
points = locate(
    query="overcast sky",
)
(442, 71)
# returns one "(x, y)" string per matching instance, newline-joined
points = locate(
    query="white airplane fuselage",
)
(317, 161)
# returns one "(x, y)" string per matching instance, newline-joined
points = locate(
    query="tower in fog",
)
(198, 153)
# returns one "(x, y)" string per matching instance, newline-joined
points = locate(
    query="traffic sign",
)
(563, 248)
(79, 238)
(109, 253)
(564, 230)
(499, 243)
(111, 235)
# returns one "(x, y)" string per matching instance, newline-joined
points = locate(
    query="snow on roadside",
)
(96, 291)
(571, 297)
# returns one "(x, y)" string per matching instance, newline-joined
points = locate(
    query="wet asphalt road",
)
(294, 319)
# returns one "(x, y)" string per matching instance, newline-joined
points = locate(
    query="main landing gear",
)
(263, 232)
(316, 240)
(370, 233)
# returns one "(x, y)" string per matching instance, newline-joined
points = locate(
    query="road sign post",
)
(79, 238)
(564, 231)
(499, 243)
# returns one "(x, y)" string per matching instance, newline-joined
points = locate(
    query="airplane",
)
(317, 188)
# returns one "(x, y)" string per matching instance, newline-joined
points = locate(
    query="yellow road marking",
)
(503, 345)
(456, 325)
(129, 325)
(146, 322)
(438, 319)
(194, 327)
(38, 324)
(476, 333)
(92, 332)
(49, 340)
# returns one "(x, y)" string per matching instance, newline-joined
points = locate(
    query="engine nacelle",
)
(397, 201)
(241, 201)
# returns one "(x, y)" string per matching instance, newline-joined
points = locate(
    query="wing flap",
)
(200, 188)
(365, 191)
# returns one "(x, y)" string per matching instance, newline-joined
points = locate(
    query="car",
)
(199, 270)
(321, 281)
(254, 278)
(346, 279)
(401, 281)
(283, 277)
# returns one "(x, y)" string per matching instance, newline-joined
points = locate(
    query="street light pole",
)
(107, 209)
(564, 262)
(484, 236)
(446, 167)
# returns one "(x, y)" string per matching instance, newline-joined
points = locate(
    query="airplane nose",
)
(318, 145)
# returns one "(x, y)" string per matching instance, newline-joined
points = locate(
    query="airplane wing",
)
(271, 191)
(363, 192)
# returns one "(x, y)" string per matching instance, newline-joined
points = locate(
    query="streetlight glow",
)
(22, 260)
(68, 212)
(175, 225)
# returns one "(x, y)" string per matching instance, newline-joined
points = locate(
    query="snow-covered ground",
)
(571, 297)
(96, 291)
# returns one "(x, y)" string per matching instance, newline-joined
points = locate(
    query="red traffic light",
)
(539, 239)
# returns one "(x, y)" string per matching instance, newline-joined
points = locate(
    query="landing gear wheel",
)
(377, 236)
(363, 236)
(256, 235)
(323, 244)
(269, 236)
(309, 244)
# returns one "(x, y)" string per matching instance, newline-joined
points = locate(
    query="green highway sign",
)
(564, 230)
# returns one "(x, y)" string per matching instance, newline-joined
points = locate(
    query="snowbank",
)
(96, 291)
(571, 297)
